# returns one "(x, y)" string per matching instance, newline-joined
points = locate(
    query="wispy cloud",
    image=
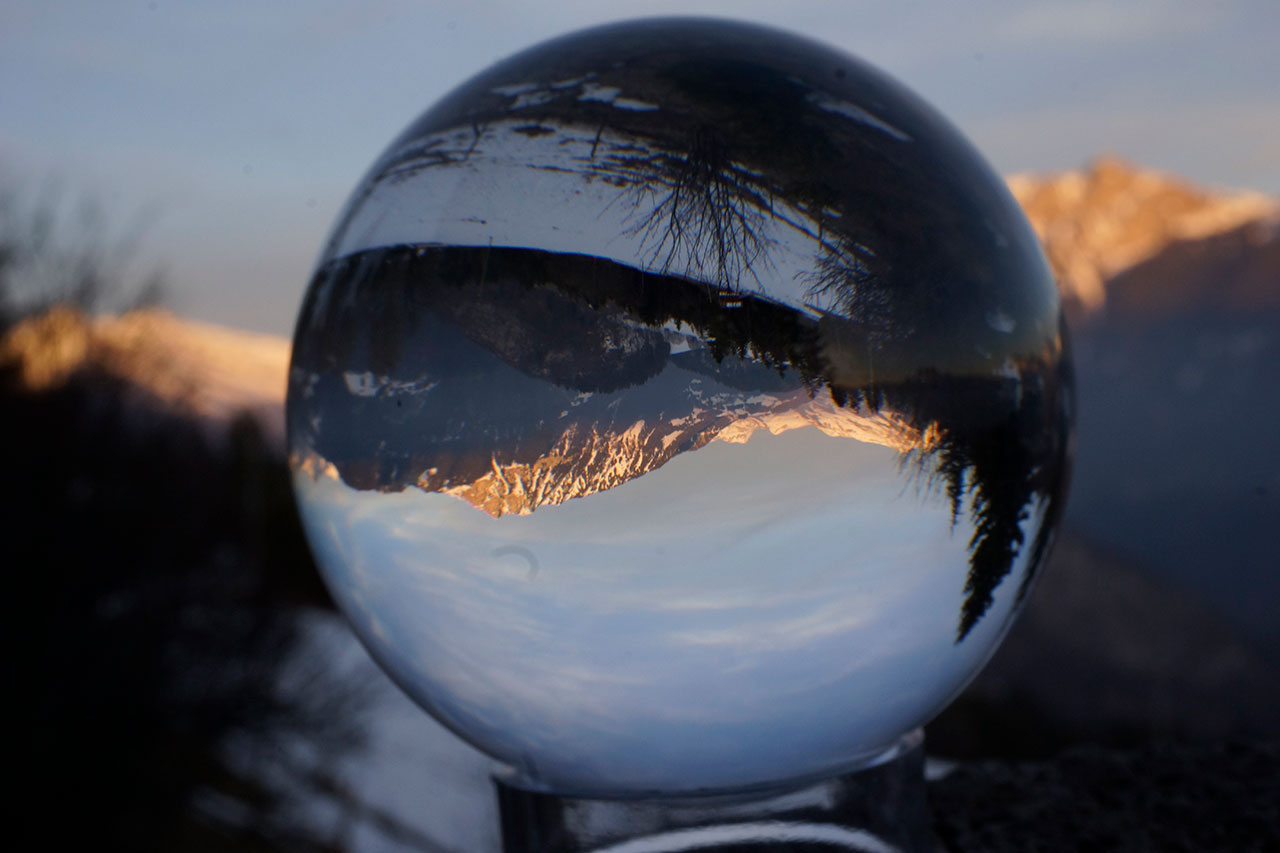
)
(1107, 21)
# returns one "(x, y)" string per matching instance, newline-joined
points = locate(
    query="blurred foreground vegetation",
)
(162, 698)
(58, 249)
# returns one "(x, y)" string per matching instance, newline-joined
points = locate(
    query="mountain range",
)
(1173, 292)
(1099, 223)
(174, 364)
(477, 400)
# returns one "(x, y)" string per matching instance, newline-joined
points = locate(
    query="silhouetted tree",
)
(57, 250)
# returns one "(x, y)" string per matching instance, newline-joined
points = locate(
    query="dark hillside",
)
(1177, 466)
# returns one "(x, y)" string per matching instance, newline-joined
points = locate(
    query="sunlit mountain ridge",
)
(211, 373)
(1112, 216)
(613, 459)
(590, 459)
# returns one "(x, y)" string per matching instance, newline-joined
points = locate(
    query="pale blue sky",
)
(796, 592)
(245, 124)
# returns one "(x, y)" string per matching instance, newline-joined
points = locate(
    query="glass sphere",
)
(680, 406)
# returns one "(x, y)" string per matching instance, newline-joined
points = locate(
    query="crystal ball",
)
(680, 406)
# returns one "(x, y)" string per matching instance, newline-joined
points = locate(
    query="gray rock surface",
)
(1160, 798)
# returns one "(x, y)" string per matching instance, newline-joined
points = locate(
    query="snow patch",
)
(633, 104)
(856, 113)
(596, 92)
(367, 384)
(363, 384)
(532, 99)
(510, 90)
(1001, 322)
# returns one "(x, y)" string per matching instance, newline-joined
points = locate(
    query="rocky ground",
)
(1159, 797)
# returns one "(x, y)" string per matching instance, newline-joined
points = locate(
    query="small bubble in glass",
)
(679, 407)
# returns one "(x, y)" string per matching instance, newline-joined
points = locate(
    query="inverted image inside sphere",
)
(680, 406)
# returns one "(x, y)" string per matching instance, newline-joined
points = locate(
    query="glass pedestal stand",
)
(879, 808)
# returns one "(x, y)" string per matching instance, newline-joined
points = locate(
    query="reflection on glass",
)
(680, 406)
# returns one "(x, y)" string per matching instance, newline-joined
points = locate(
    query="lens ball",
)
(680, 407)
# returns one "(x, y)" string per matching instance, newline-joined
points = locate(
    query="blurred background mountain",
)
(185, 683)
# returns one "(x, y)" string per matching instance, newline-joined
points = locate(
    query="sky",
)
(658, 607)
(237, 129)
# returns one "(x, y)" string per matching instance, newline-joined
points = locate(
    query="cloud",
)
(1106, 21)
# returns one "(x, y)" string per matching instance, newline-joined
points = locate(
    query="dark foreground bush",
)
(155, 654)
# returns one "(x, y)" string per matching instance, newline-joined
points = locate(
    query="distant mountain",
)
(1177, 366)
(1098, 223)
(513, 395)
(582, 460)
(174, 364)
